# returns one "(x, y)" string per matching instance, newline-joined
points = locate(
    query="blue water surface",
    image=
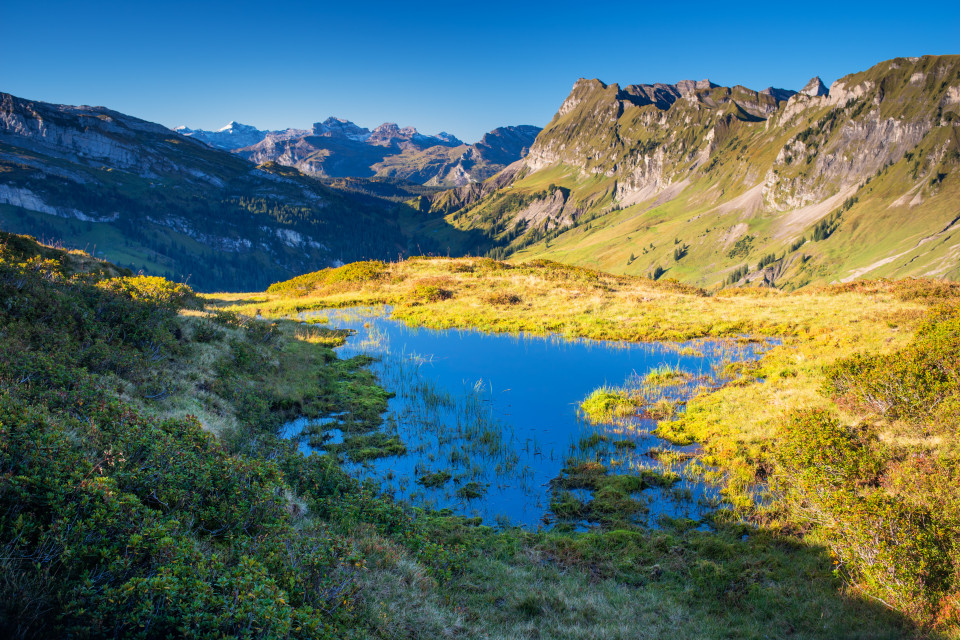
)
(501, 411)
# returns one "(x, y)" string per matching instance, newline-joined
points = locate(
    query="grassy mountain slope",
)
(722, 184)
(150, 199)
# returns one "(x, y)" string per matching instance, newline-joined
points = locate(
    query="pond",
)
(489, 421)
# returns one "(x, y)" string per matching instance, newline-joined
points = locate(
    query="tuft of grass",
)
(605, 405)
(322, 335)
(472, 491)
(435, 480)
(664, 375)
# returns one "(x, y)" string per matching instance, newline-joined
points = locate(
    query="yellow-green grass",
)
(447, 579)
(814, 328)
(606, 405)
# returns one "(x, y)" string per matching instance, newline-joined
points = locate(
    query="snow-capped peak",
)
(233, 136)
(235, 127)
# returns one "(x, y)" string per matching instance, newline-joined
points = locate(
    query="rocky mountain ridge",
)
(707, 184)
(338, 148)
(712, 184)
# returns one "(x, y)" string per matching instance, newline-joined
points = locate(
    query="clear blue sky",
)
(454, 66)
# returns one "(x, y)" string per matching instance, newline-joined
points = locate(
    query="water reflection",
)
(489, 420)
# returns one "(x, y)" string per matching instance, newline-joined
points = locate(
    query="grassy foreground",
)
(145, 490)
(863, 365)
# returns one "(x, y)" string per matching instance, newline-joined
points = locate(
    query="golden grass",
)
(736, 424)
(814, 327)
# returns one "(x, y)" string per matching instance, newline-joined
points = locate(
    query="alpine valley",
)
(146, 198)
(705, 184)
(685, 363)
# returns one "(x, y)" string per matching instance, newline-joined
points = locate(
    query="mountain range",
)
(337, 148)
(707, 184)
(714, 185)
(146, 198)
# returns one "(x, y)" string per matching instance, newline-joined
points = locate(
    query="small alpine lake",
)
(490, 426)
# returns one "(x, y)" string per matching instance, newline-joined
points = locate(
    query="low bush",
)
(897, 552)
(430, 293)
(153, 290)
(502, 298)
(115, 522)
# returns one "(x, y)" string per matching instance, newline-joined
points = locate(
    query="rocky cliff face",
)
(862, 131)
(86, 135)
(643, 133)
(869, 167)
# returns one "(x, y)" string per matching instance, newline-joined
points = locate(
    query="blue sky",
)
(459, 67)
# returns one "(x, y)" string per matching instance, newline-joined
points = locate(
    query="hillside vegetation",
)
(843, 434)
(713, 185)
(147, 492)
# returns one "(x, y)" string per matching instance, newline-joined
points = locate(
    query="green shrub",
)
(502, 298)
(816, 451)
(230, 319)
(206, 331)
(897, 552)
(431, 293)
(262, 332)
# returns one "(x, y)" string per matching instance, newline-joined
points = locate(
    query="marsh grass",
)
(665, 374)
(658, 395)
(322, 335)
(735, 424)
(607, 404)
(459, 445)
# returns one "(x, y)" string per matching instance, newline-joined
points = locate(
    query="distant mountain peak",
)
(232, 136)
(389, 133)
(235, 127)
(815, 87)
(334, 127)
(779, 95)
(390, 127)
(690, 87)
